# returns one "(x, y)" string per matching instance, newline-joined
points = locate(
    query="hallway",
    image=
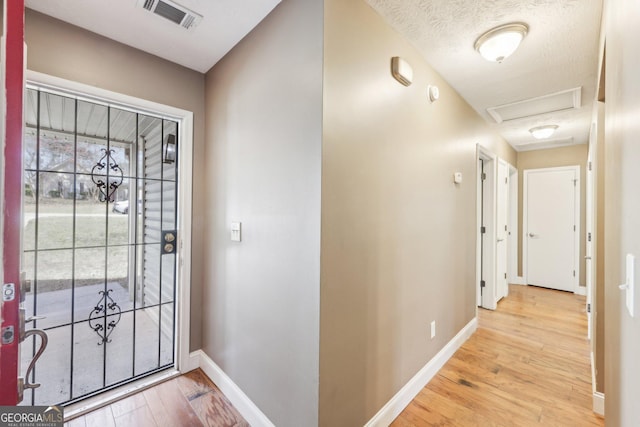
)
(527, 365)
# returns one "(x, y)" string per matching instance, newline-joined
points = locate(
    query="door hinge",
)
(588, 237)
(483, 283)
(574, 273)
(505, 276)
(483, 229)
(575, 182)
(589, 308)
(574, 228)
(483, 176)
(505, 228)
(506, 180)
(590, 165)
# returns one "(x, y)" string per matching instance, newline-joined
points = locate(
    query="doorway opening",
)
(99, 244)
(495, 210)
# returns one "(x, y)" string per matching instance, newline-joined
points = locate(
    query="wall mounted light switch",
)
(236, 231)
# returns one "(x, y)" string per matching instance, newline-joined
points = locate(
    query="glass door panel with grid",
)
(98, 244)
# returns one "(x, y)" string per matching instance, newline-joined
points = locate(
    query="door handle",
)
(587, 257)
(533, 236)
(23, 383)
(500, 240)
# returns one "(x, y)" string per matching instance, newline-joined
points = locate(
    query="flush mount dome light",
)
(543, 132)
(499, 43)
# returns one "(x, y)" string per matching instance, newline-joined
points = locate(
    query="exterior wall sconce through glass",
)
(169, 149)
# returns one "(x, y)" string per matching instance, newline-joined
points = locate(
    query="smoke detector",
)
(172, 11)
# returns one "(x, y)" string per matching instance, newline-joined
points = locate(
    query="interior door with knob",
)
(98, 245)
(551, 225)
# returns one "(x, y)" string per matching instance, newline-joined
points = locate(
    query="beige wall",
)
(398, 236)
(622, 210)
(263, 155)
(555, 157)
(62, 50)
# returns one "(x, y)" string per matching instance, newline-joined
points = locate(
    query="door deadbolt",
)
(168, 242)
(8, 334)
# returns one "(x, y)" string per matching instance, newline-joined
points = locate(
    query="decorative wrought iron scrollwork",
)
(106, 306)
(115, 176)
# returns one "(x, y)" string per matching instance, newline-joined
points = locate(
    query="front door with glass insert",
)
(99, 237)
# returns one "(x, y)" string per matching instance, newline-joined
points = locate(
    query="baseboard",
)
(598, 398)
(396, 405)
(518, 280)
(193, 362)
(251, 413)
(582, 290)
(598, 403)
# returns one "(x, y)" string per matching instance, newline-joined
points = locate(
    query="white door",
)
(502, 218)
(551, 227)
(486, 263)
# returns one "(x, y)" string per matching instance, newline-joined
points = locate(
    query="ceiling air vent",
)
(172, 11)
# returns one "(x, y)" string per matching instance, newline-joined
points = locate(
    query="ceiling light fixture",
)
(543, 132)
(499, 43)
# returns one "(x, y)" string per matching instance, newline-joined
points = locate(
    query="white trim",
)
(598, 403)
(185, 180)
(513, 225)
(408, 392)
(581, 290)
(598, 398)
(577, 219)
(502, 199)
(518, 280)
(251, 413)
(108, 397)
(183, 258)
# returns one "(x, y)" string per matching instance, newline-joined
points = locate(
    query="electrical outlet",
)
(433, 329)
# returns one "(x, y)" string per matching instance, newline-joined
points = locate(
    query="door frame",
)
(486, 299)
(590, 227)
(512, 265)
(13, 55)
(184, 219)
(502, 194)
(576, 218)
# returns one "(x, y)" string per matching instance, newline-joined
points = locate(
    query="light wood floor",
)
(188, 400)
(528, 364)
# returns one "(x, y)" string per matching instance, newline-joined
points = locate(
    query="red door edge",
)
(12, 203)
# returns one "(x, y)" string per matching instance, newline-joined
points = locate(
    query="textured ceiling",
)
(224, 24)
(560, 52)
